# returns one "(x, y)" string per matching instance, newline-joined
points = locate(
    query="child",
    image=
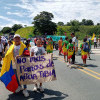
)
(60, 45)
(35, 51)
(70, 50)
(27, 43)
(64, 48)
(49, 47)
(84, 51)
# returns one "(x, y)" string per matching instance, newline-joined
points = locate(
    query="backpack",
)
(70, 49)
(86, 47)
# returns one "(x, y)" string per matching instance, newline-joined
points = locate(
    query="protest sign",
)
(36, 69)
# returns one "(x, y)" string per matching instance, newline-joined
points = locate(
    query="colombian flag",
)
(7, 74)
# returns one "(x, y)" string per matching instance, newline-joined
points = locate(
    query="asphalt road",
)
(78, 83)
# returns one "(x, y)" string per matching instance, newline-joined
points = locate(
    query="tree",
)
(6, 30)
(83, 22)
(74, 25)
(98, 23)
(43, 23)
(87, 22)
(15, 27)
(68, 24)
(90, 22)
(60, 23)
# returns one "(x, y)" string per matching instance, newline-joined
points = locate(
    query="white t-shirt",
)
(95, 39)
(16, 50)
(74, 40)
(38, 50)
(1, 47)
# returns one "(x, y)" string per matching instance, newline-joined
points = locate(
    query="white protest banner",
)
(39, 69)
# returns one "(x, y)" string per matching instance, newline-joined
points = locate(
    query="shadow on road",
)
(92, 59)
(51, 94)
(89, 65)
(55, 58)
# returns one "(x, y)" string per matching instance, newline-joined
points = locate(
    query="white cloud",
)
(20, 14)
(63, 10)
(12, 22)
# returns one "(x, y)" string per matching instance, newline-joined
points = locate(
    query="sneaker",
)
(25, 92)
(35, 88)
(67, 64)
(90, 59)
(41, 89)
(70, 65)
(19, 89)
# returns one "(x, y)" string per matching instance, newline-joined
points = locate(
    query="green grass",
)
(25, 32)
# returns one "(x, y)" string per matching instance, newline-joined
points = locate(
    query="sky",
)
(23, 11)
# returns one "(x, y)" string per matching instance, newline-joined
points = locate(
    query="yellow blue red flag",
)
(7, 74)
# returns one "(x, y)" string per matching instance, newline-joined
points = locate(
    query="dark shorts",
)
(0, 53)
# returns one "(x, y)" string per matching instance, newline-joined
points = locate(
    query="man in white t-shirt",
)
(16, 50)
(74, 42)
(95, 42)
(36, 51)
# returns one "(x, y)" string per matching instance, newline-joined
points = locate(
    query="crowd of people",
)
(67, 47)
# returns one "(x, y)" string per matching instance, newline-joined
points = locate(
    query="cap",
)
(16, 35)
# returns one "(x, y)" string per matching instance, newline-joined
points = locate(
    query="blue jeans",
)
(15, 71)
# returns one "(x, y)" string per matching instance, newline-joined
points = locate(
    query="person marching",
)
(70, 49)
(35, 40)
(84, 50)
(60, 45)
(8, 46)
(44, 42)
(74, 43)
(9, 68)
(36, 51)
(16, 51)
(95, 42)
(49, 47)
(99, 41)
(27, 43)
(76, 46)
(64, 48)
(89, 42)
(1, 50)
